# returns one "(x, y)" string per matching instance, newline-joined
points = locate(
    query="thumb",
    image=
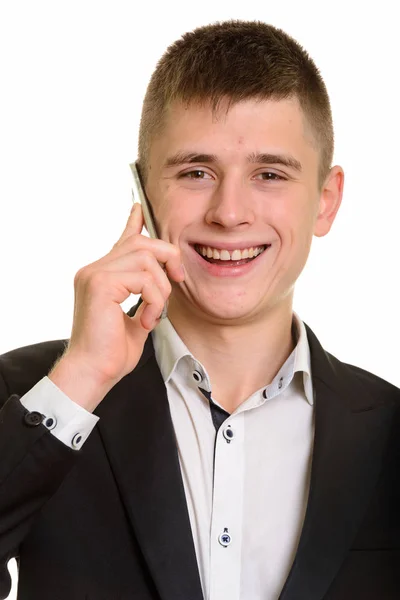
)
(134, 224)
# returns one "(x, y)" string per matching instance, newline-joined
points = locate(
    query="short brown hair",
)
(237, 60)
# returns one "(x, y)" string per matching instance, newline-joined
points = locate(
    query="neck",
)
(240, 358)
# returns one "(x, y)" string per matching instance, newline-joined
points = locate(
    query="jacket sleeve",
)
(33, 464)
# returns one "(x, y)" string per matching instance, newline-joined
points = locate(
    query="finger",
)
(154, 304)
(104, 287)
(135, 323)
(149, 318)
(140, 261)
(164, 252)
(134, 224)
(152, 296)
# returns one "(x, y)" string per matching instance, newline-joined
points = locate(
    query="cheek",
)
(161, 204)
(293, 222)
(174, 215)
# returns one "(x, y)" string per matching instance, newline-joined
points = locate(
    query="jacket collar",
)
(351, 429)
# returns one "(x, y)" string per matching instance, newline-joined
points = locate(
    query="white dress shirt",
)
(245, 475)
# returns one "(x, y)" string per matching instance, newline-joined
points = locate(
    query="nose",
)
(230, 204)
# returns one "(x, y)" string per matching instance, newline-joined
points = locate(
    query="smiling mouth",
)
(227, 258)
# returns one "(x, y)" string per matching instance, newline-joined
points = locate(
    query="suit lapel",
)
(350, 435)
(138, 437)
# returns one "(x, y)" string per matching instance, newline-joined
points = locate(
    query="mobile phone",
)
(139, 196)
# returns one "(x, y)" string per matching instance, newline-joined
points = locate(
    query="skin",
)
(230, 201)
(236, 321)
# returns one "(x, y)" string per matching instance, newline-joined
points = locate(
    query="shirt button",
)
(228, 433)
(33, 419)
(197, 376)
(50, 422)
(265, 395)
(225, 538)
(77, 440)
(280, 383)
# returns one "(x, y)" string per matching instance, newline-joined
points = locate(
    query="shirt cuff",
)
(66, 420)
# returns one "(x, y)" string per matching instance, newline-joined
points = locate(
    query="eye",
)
(270, 176)
(196, 174)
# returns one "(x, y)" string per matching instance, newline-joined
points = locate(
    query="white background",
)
(73, 76)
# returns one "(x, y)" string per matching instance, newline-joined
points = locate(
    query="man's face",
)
(241, 182)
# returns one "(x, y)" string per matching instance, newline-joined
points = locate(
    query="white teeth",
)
(209, 252)
(237, 255)
(224, 255)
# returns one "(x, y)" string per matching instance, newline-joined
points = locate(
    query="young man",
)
(226, 455)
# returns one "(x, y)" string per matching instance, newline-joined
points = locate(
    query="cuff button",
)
(50, 422)
(77, 440)
(33, 419)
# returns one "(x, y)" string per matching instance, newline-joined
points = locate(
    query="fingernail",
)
(133, 207)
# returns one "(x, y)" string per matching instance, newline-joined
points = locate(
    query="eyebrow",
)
(276, 159)
(181, 158)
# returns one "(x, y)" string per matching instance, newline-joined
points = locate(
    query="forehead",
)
(249, 125)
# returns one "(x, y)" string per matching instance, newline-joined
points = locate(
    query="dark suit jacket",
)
(110, 522)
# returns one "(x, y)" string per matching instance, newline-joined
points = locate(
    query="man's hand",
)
(105, 343)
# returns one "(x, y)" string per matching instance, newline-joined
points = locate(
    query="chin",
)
(228, 312)
(221, 305)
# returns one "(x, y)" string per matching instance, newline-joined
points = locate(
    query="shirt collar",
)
(170, 349)
(302, 361)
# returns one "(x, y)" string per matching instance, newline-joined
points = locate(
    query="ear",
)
(329, 202)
